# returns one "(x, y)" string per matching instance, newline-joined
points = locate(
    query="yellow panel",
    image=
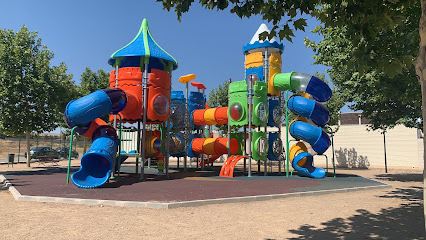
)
(254, 60)
(208, 146)
(209, 116)
(272, 72)
(296, 149)
(187, 78)
(275, 60)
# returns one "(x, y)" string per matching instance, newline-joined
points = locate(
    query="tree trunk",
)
(27, 138)
(421, 73)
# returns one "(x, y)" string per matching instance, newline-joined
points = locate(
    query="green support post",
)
(286, 133)
(70, 154)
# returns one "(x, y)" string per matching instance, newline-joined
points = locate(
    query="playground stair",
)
(229, 166)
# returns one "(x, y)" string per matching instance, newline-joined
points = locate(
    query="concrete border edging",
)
(173, 205)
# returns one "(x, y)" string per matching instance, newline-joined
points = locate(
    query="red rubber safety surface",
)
(173, 190)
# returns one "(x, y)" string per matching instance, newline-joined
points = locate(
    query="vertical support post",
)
(19, 148)
(229, 126)
(266, 76)
(138, 139)
(144, 112)
(250, 105)
(245, 150)
(70, 154)
(287, 143)
(116, 85)
(384, 146)
(279, 131)
(186, 129)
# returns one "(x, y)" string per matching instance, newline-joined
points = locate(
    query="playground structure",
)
(171, 124)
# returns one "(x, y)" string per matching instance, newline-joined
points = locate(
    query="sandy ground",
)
(393, 213)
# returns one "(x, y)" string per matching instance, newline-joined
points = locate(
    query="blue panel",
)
(319, 90)
(322, 144)
(196, 101)
(177, 95)
(82, 111)
(320, 116)
(258, 71)
(272, 104)
(301, 106)
(271, 139)
(305, 132)
(307, 169)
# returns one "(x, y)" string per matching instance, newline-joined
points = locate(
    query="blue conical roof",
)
(143, 49)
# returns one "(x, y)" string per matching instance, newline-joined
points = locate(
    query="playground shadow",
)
(349, 158)
(403, 222)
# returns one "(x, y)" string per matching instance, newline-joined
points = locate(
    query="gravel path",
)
(392, 213)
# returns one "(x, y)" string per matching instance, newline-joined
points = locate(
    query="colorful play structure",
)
(165, 123)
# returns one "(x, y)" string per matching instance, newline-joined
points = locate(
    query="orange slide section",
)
(211, 116)
(229, 166)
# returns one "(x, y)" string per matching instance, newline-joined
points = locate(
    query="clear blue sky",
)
(207, 43)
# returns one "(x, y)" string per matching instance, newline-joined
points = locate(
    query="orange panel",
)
(197, 145)
(93, 126)
(221, 115)
(229, 166)
(153, 93)
(133, 109)
(126, 76)
(159, 78)
(198, 117)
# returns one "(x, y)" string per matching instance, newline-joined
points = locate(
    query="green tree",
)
(33, 94)
(384, 100)
(92, 81)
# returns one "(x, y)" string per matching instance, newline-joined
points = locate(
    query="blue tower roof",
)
(141, 50)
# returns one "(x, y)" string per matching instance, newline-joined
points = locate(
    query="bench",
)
(47, 159)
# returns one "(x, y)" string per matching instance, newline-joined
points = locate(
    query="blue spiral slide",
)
(310, 109)
(96, 164)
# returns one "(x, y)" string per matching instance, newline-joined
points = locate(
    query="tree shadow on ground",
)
(39, 171)
(405, 177)
(403, 222)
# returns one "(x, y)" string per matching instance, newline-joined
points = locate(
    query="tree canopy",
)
(383, 99)
(91, 81)
(33, 93)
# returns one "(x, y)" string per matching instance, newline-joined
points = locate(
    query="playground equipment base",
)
(191, 189)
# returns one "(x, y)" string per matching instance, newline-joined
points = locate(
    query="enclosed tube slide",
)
(319, 90)
(210, 116)
(96, 164)
(311, 109)
(213, 146)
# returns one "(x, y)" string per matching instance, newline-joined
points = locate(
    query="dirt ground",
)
(392, 213)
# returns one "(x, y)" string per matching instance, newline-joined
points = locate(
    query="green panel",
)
(238, 94)
(260, 89)
(282, 81)
(260, 104)
(259, 146)
(240, 138)
(240, 86)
